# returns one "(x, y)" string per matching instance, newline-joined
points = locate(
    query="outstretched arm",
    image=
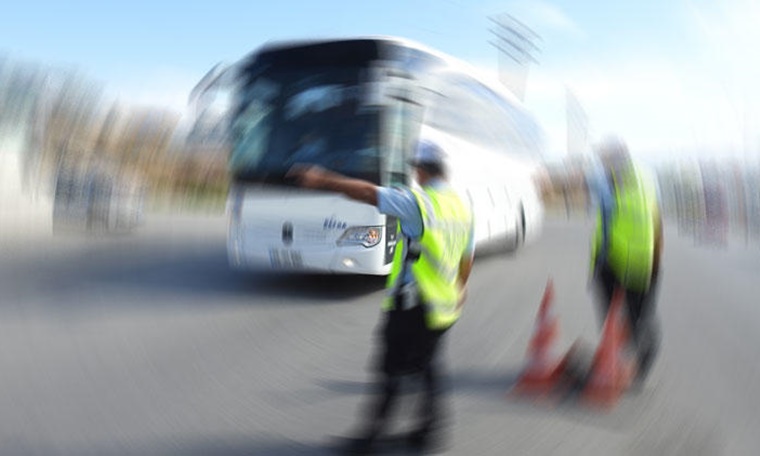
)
(465, 266)
(658, 243)
(319, 178)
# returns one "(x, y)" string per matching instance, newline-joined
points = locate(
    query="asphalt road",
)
(148, 345)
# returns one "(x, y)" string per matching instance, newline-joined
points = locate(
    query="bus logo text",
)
(332, 223)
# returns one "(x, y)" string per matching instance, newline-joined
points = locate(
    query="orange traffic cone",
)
(610, 373)
(542, 371)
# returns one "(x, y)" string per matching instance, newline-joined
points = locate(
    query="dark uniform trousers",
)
(408, 348)
(641, 310)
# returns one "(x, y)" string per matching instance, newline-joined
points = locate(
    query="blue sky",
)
(669, 75)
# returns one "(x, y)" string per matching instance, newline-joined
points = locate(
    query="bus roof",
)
(453, 64)
(361, 49)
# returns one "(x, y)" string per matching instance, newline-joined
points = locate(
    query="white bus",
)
(359, 106)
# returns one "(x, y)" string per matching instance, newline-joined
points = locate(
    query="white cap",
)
(428, 152)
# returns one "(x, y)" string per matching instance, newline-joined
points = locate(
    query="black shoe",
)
(356, 446)
(644, 366)
(426, 442)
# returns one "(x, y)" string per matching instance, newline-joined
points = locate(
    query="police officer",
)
(426, 287)
(627, 245)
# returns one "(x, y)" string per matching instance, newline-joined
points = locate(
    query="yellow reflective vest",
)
(447, 224)
(631, 232)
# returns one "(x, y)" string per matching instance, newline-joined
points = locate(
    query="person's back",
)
(627, 245)
(630, 246)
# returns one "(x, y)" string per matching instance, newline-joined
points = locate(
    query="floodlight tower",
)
(516, 43)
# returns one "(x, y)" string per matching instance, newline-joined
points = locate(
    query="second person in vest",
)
(627, 246)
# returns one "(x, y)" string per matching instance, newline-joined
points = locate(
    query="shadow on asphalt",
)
(460, 382)
(493, 396)
(137, 271)
(163, 275)
(212, 446)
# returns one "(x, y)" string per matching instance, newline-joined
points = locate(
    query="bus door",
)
(400, 123)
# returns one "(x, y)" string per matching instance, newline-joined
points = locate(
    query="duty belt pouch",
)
(407, 296)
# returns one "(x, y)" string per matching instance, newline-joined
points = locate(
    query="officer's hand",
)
(309, 176)
(462, 297)
(655, 272)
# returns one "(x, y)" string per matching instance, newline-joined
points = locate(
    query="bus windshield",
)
(305, 115)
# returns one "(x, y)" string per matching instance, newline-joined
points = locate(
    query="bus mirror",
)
(373, 86)
(387, 87)
(374, 94)
(388, 92)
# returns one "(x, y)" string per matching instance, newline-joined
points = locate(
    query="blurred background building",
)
(72, 159)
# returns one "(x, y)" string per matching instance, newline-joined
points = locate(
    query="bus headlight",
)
(368, 236)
